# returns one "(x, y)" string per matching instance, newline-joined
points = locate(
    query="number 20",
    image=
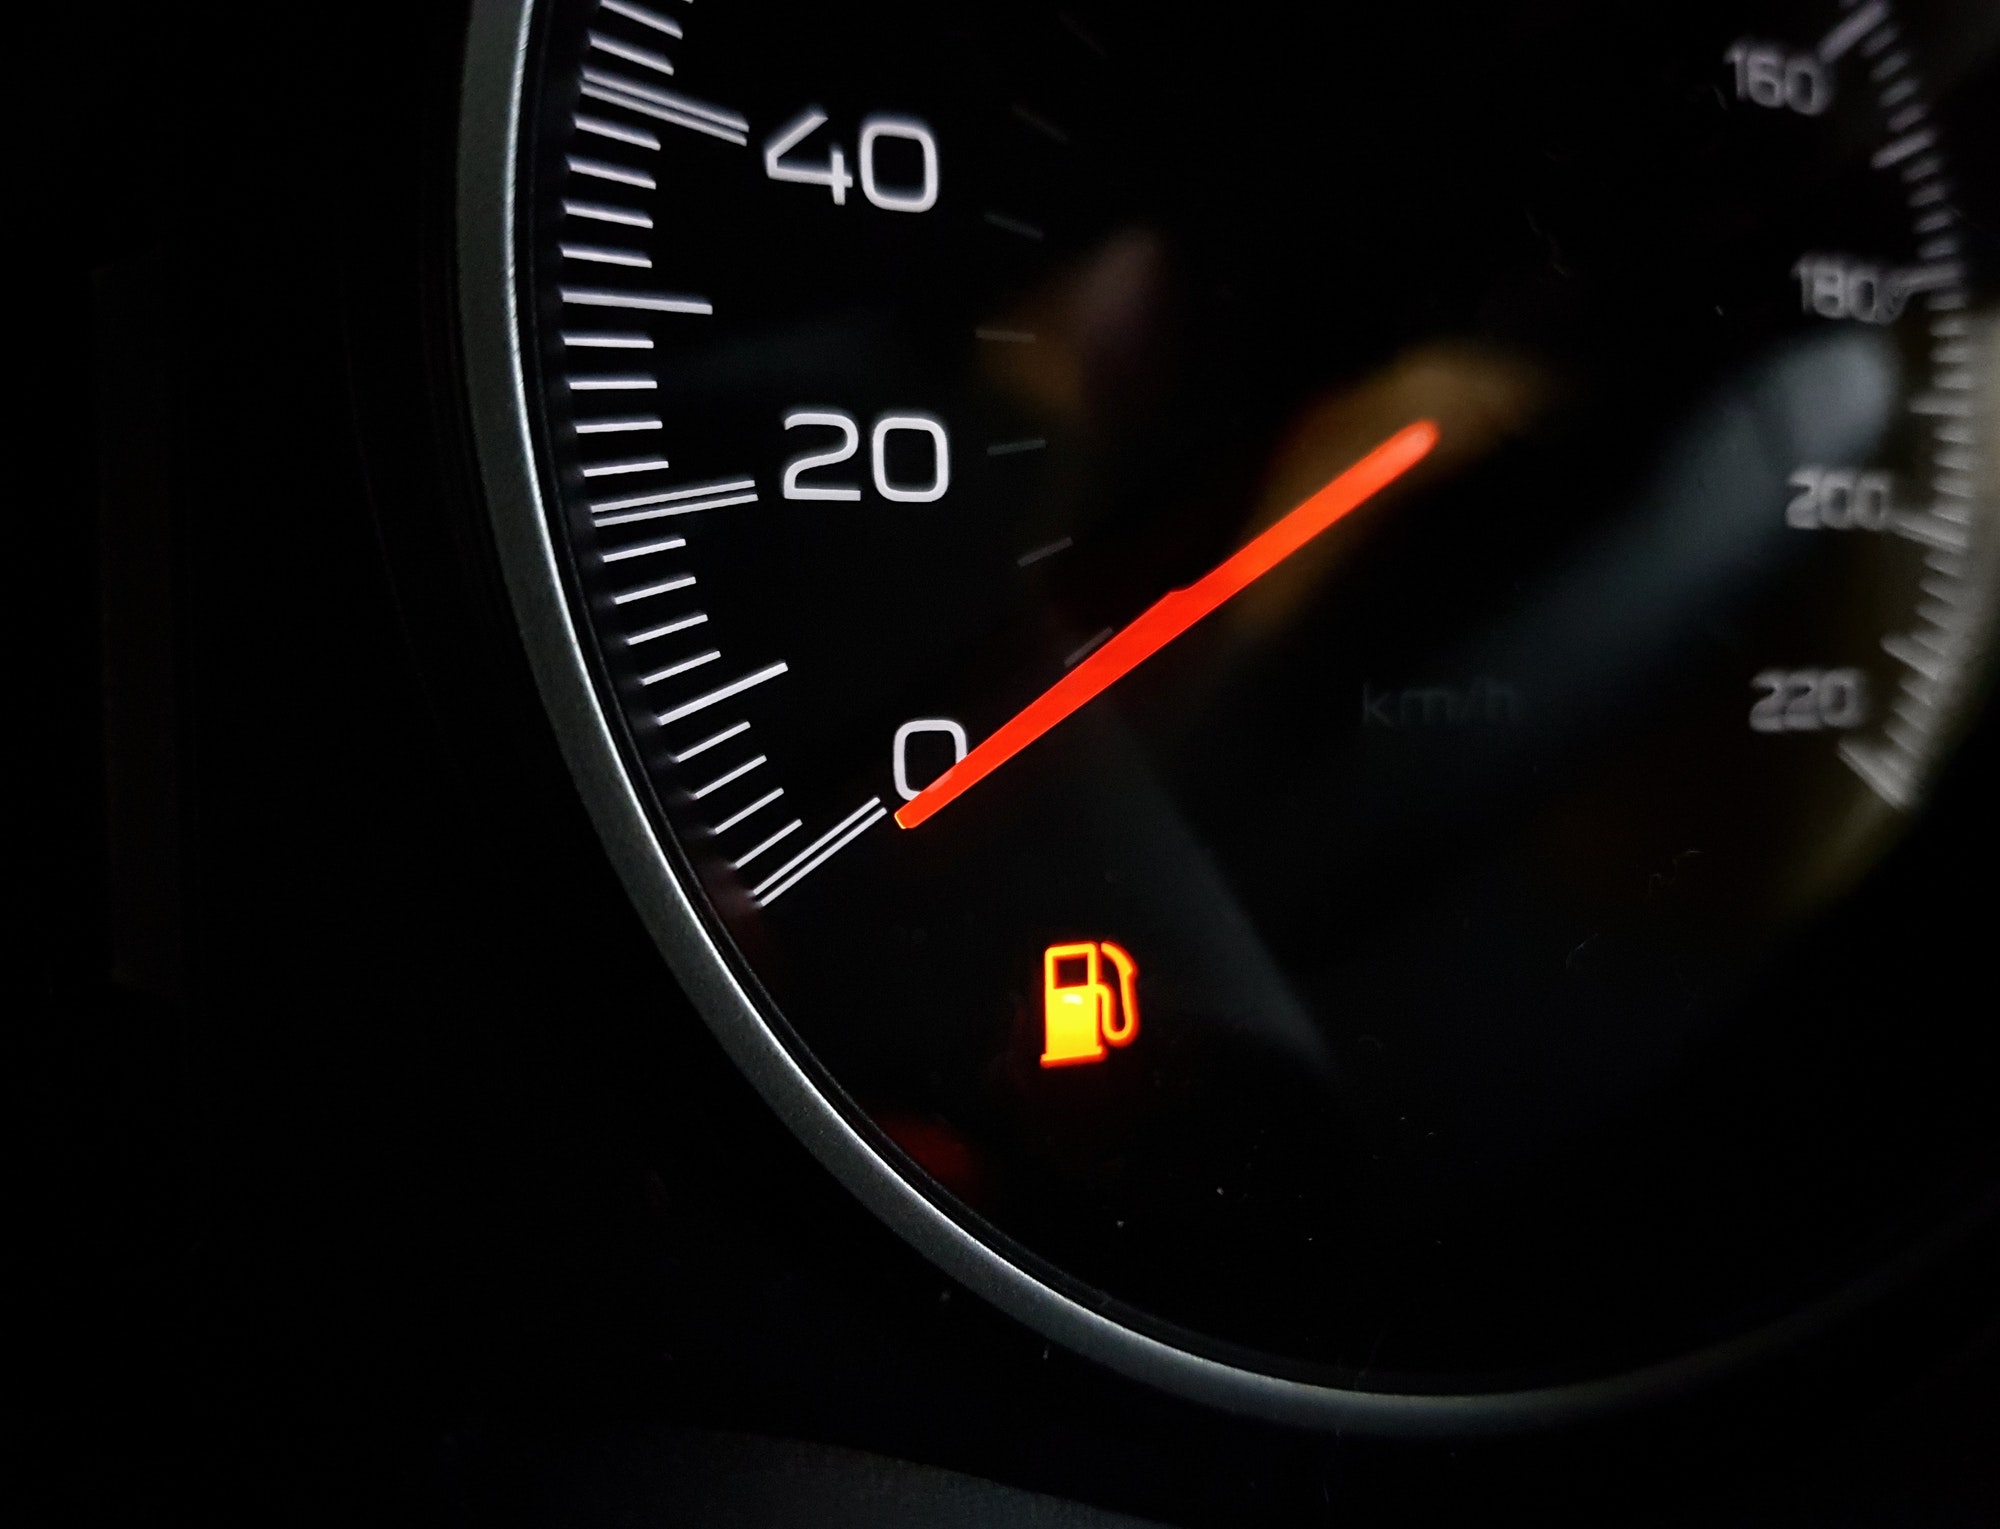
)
(886, 425)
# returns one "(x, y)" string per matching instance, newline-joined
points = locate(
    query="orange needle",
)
(1177, 610)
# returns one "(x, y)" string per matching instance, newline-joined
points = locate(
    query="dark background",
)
(369, 1167)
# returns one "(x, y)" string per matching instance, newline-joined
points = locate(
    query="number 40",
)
(833, 175)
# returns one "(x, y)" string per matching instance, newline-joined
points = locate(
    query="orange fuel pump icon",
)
(1080, 1014)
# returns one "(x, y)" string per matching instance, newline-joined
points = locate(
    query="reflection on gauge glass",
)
(1277, 677)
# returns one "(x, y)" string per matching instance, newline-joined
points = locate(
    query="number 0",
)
(909, 730)
(925, 196)
(940, 457)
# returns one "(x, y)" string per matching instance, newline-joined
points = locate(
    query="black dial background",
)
(1466, 1049)
(370, 1169)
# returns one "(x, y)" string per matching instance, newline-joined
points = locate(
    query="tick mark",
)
(1851, 31)
(722, 693)
(817, 853)
(666, 511)
(640, 14)
(1040, 124)
(641, 302)
(1090, 645)
(709, 742)
(729, 775)
(617, 132)
(1071, 26)
(718, 491)
(782, 834)
(646, 549)
(666, 587)
(1903, 148)
(1061, 545)
(604, 212)
(1013, 225)
(681, 668)
(1879, 39)
(755, 807)
(697, 619)
(602, 254)
(616, 426)
(625, 465)
(608, 341)
(619, 174)
(645, 58)
(665, 106)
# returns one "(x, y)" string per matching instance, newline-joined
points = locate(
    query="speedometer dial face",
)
(1279, 676)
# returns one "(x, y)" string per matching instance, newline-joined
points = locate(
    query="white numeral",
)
(886, 425)
(1809, 700)
(923, 424)
(925, 196)
(1839, 499)
(910, 730)
(1768, 76)
(833, 173)
(850, 442)
(1835, 287)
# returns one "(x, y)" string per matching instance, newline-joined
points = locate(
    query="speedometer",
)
(1274, 672)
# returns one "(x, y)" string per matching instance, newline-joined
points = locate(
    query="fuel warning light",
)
(1081, 1014)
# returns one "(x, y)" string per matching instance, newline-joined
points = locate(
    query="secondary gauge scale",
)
(1271, 677)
